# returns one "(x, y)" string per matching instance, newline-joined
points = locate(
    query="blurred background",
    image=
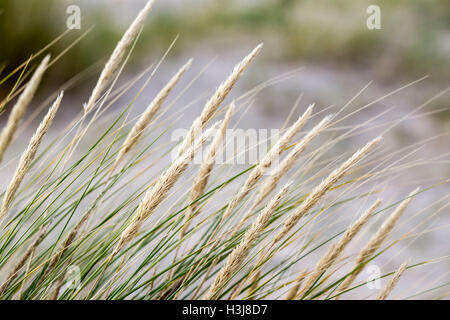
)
(328, 38)
(338, 56)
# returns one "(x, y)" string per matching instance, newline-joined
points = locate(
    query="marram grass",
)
(96, 213)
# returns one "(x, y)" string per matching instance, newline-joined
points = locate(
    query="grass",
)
(100, 196)
(316, 32)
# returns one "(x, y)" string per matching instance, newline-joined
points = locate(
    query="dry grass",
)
(377, 239)
(21, 106)
(384, 293)
(201, 179)
(28, 156)
(155, 195)
(318, 192)
(117, 56)
(217, 98)
(137, 131)
(337, 248)
(265, 164)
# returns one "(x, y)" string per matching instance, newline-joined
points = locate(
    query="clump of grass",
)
(205, 233)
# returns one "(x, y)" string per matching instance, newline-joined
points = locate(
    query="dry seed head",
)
(30, 251)
(254, 281)
(194, 131)
(117, 56)
(337, 248)
(214, 102)
(238, 254)
(272, 181)
(205, 169)
(318, 192)
(217, 98)
(71, 238)
(137, 131)
(19, 109)
(28, 156)
(267, 161)
(383, 294)
(285, 139)
(385, 229)
(155, 195)
(377, 239)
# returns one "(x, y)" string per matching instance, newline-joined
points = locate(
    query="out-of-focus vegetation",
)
(414, 40)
